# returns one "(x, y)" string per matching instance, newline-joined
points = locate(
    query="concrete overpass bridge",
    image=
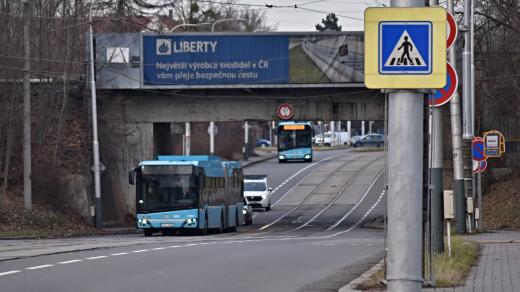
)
(148, 83)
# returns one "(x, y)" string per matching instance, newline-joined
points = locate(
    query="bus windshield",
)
(163, 192)
(291, 139)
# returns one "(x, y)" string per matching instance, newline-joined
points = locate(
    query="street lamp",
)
(227, 19)
(188, 25)
(95, 142)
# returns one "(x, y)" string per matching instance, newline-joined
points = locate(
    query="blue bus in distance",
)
(294, 141)
(199, 193)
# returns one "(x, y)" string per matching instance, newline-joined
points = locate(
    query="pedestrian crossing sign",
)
(405, 47)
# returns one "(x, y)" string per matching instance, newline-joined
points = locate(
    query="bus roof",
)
(294, 123)
(212, 165)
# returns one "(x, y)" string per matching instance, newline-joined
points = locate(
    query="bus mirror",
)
(131, 176)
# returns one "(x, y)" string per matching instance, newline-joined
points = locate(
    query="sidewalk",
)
(498, 268)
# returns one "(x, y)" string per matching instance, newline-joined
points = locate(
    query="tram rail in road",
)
(325, 182)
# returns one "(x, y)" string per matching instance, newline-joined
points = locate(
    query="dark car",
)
(263, 143)
(376, 140)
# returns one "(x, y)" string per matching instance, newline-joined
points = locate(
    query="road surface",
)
(313, 239)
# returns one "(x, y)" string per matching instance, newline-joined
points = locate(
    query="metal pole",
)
(246, 140)
(472, 59)
(95, 142)
(349, 131)
(479, 194)
(332, 132)
(456, 142)
(466, 67)
(362, 128)
(271, 133)
(437, 200)
(405, 184)
(437, 212)
(27, 184)
(188, 138)
(212, 138)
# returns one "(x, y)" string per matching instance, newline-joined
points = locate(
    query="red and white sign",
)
(451, 30)
(444, 95)
(479, 166)
(285, 111)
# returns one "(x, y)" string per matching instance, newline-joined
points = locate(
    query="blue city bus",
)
(294, 141)
(199, 193)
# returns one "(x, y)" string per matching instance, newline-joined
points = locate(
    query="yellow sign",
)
(405, 48)
(294, 127)
(494, 144)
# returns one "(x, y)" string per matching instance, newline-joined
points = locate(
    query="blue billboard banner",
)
(186, 60)
(230, 60)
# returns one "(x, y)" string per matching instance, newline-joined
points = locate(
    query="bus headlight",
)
(244, 211)
(307, 156)
(281, 157)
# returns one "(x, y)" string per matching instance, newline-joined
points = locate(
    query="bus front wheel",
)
(148, 232)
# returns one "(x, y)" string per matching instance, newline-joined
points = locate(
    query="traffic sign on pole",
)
(285, 111)
(479, 166)
(477, 149)
(405, 48)
(452, 30)
(443, 95)
(494, 144)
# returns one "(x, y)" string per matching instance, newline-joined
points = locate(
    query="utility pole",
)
(468, 127)
(349, 131)
(27, 173)
(95, 143)
(212, 138)
(456, 143)
(405, 184)
(437, 200)
(188, 138)
(246, 140)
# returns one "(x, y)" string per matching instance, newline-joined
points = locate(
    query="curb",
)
(108, 231)
(366, 275)
(251, 162)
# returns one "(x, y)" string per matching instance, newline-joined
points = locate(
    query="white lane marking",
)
(371, 244)
(190, 244)
(69, 262)
(358, 202)
(355, 244)
(159, 248)
(119, 253)
(9, 273)
(141, 250)
(174, 246)
(39, 267)
(95, 258)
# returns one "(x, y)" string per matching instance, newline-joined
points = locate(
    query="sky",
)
(291, 19)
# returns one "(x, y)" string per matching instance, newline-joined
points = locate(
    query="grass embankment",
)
(501, 205)
(42, 221)
(449, 271)
(302, 69)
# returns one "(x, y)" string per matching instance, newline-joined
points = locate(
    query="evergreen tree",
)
(329, 23)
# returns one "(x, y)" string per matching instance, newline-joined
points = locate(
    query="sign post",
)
(405, 48)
